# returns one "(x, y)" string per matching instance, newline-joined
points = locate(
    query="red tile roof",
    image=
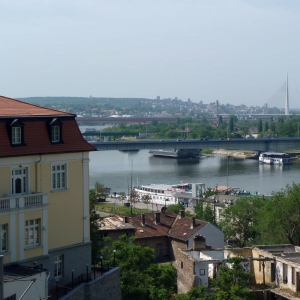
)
(14, 108)
(181, 229)
(36, 136)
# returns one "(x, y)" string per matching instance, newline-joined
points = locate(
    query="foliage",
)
(204, 211)
(232, 282)
(175, 208)
(94, 226)
(100, 190)
(198, 293)
(279, 219)
(140, 277)
(121, 210)
(239, 221)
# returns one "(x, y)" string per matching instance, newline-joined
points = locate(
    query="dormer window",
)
(55, 134)
(16, 135)
(55, 131)
(16, 132)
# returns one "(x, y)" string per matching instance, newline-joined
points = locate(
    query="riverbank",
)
(237, 154)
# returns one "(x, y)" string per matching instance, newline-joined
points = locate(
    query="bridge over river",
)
(262, 145)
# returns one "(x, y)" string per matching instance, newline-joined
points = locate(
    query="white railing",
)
(23, 201)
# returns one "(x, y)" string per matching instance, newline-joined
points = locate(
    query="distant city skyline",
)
(235, 51)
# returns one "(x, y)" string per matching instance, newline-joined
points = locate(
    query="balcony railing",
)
(23, 201)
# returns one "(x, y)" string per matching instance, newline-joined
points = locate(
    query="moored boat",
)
(166, 194)
(275, 158)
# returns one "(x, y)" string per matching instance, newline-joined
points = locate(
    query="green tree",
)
(198, 293)
(239, 221)
(175, 208)
(259, 126)
(279, 219)
(140, 277)
(232, 282)
(231, 123)
(94, 232)
(204, 211)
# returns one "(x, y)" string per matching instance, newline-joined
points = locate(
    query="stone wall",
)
(105, 287)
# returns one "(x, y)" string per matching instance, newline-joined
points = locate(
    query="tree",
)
(239, 221)
(175, 208)
(94, 231)
(146, 199)
(100, 190)
(140, 277)
(259, 127)
(204, 211)
(198, 293)
(232, 282)
(279, 219)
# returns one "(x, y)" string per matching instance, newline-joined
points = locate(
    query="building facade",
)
(44, 190)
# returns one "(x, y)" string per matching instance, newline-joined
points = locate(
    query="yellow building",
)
(44, 190)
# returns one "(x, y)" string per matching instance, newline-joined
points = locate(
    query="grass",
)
(120, 210)
(207, 151)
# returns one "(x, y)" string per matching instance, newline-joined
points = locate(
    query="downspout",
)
(36, 174)
(46, 285)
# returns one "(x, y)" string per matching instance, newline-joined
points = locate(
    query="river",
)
(116, 169)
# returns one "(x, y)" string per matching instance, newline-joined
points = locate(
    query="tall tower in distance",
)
(287, 110)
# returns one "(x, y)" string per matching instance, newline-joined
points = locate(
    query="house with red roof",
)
(44, 193)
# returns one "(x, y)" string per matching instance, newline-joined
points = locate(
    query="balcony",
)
(23, 201)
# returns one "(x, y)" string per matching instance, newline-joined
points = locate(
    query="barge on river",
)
(275, 158)
(176, 153)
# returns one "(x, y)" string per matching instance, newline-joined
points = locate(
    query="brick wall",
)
(175, 246)
(186, 278)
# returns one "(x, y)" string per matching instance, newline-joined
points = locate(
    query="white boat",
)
(166, 194)
(275, 158)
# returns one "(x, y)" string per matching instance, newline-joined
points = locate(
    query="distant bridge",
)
(124, 119)
(262, 145)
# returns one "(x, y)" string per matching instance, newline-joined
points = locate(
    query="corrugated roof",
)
(15, 108)
(113, 223)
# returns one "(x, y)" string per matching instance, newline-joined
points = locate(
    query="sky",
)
(234, 51)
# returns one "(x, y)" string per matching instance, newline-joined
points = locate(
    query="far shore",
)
(237, 154)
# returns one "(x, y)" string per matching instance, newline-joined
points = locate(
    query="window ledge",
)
(59, 190)
(33, 247)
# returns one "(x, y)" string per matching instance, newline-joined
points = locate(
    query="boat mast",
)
(287, 111)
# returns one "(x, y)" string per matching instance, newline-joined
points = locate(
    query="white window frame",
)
(59, 176)
(21, 174)
(16, 135)
(55, 133)
(32, 232)
(58, 266)
(3, 240)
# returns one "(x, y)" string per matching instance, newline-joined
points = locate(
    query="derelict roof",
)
(11, 108)
(151, 229)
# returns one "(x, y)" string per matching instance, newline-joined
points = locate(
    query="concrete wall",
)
(105, 287)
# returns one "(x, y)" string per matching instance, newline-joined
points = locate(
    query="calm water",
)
(113, 169)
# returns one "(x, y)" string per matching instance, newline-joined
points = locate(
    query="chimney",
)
(125, 219)
(193, 223)
(181, 214)
(143, 219)
(157, 218)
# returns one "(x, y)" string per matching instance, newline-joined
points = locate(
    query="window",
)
(32, 232)
(55, 130)
(59, 177)
(159, 250)
(55, 134)
(284, 273)
(58, 266)
(16, 135)
(181, 264)
(3, 241)
(202, 272)
(19, 181)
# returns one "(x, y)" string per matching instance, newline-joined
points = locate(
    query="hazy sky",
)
(232, 50)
